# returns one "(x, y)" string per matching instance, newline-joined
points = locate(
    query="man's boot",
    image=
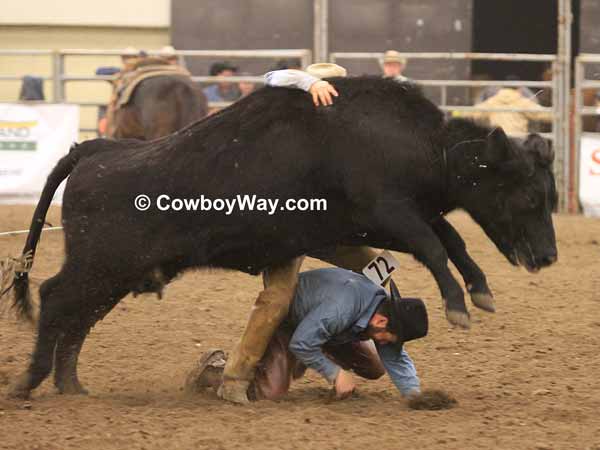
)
(269, 310)
(207, 372)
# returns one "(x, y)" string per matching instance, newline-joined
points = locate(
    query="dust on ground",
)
(527, 377)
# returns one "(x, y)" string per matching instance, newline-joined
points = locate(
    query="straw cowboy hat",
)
(130, 52)
(167, 50)
(392, 56)
(326, 70)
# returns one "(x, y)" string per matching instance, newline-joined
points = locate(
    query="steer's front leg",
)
(406, 231)
(475, 280)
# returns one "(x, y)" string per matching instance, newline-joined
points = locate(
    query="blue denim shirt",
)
(335, 306)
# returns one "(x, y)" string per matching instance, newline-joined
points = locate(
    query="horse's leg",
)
(73, 336)
(474, 278)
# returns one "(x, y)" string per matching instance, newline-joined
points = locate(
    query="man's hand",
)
(321, 92)
(344, 385)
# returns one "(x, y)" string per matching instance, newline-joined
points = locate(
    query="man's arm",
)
(400, 368)
(290, 78)
(320, 90)
(317, 328)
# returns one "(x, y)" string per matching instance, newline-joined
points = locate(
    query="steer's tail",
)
(20, 283)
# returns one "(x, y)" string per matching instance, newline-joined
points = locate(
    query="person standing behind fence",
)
(222, 91)
(393, 65)
(32, 89)
(246, 87)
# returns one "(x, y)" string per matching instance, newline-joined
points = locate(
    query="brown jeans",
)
(278, 367)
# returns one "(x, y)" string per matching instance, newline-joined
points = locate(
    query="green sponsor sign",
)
(18, 145)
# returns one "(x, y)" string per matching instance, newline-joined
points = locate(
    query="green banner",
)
(18, 145)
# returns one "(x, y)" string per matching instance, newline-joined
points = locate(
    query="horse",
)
(153, 100)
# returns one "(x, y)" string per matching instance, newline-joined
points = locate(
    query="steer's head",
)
(512, 197)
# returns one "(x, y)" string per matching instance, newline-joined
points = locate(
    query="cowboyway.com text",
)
(241, 202)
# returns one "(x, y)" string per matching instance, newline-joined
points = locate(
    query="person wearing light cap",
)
(392, 65)
(310, 81)
(168, 54)
(339, 322)
(129, 58)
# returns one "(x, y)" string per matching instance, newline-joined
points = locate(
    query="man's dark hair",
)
(221, 66)
(386, 310)
(290, 63)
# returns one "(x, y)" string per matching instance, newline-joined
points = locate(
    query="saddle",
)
(148, 67)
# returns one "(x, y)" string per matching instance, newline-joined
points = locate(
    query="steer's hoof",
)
(20, 390)
(235, 391)
(483, 301)
(18, 393)
(74, 388)
(459, 318)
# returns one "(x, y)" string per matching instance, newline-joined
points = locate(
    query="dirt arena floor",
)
(527, 377)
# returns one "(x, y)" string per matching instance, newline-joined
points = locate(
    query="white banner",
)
(589, 176)
(33, 137)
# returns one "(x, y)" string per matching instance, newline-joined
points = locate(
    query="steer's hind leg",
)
(54, 294)
(475, 280)
(66, 355)
(73, 335)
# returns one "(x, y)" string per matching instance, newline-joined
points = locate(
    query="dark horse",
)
(158, 105)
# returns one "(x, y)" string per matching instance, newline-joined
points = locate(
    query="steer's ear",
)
(498, 147)
(540, 149)
(505, 157)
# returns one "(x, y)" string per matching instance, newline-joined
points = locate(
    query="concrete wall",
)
(355, 25)
(406, 26)
(112, 13)
(589, 34)
(241, 25)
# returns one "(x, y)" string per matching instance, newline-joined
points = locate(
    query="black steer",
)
(382, 156)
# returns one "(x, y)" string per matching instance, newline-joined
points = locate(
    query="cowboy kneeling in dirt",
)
(339, 322)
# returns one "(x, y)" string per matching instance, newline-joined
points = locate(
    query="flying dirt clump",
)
(433, 400)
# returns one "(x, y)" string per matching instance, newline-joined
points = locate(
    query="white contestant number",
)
(381, 268)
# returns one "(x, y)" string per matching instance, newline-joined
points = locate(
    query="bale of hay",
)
(432, 400)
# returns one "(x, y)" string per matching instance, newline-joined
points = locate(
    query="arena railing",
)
(559, 135)
(580, 110)
(560, 117)
(304, 55)
(59, 78)
(50, 55)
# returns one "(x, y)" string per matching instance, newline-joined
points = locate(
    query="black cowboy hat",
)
(408, 316)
